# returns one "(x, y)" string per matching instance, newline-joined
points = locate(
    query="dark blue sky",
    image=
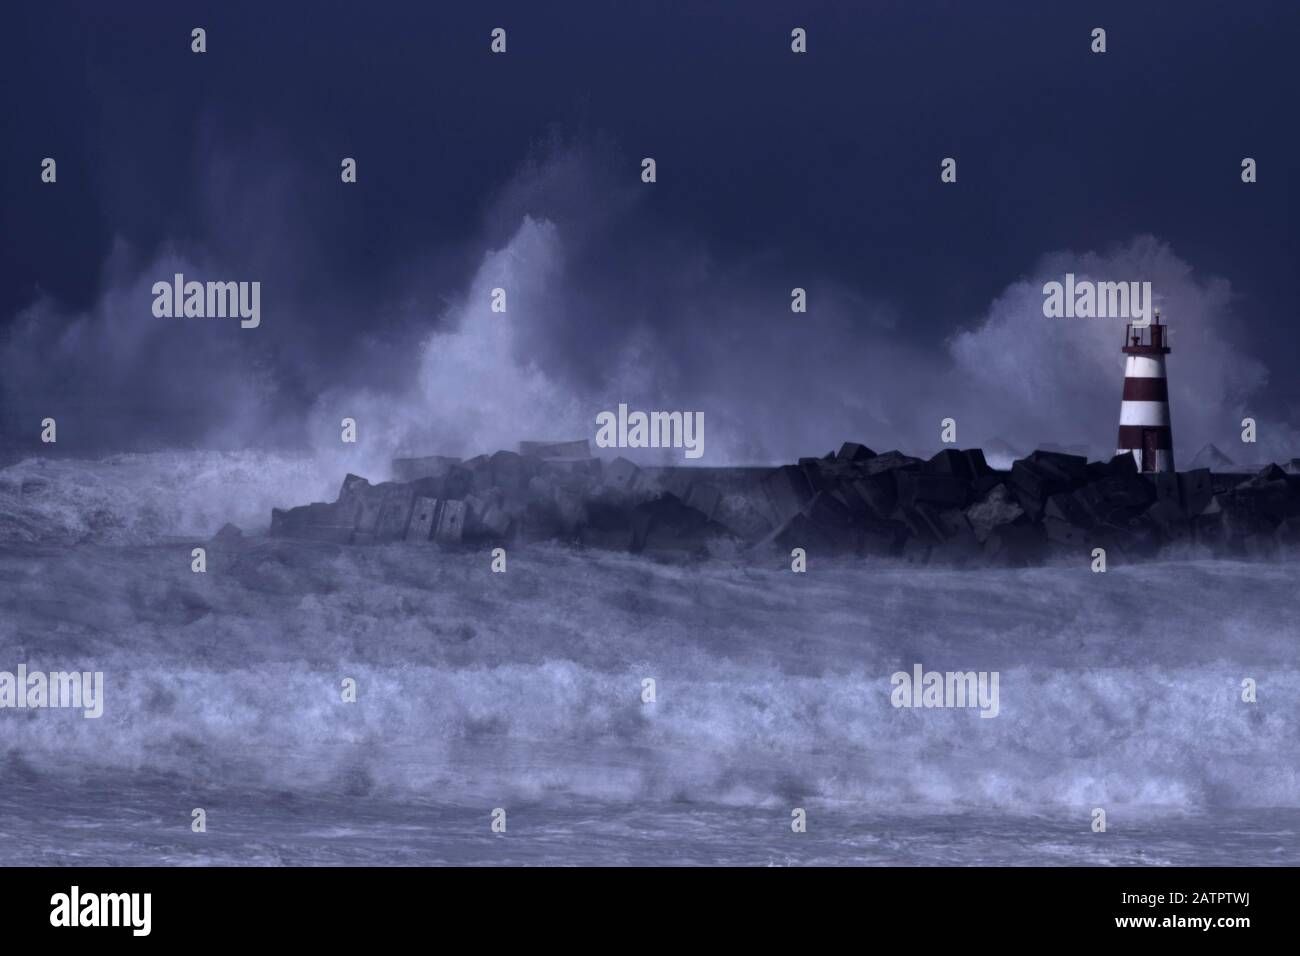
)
(790, 169)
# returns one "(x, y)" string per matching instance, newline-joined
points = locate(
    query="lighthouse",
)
(1144, 414)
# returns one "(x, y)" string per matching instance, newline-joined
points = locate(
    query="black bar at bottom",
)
(335, 906)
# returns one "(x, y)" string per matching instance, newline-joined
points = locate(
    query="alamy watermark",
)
(75, 908)
(624, 429)
(1085, 299)
(923, 688)
(37, 689)
(209, 300)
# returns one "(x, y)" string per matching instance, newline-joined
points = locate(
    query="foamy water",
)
(523, 690)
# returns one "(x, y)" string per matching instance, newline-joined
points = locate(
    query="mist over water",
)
(607, 303)
(1119, 690)
(144, 498)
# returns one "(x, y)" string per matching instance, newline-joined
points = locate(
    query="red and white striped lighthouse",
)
(1144, 414)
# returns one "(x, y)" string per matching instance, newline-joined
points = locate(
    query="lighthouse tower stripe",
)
(1130, 438)
(1146, 397)
(1149, 414)
(1146, 390)
(1144, 366)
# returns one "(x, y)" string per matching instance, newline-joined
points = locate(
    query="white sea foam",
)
(1116, 689)
(144, 498)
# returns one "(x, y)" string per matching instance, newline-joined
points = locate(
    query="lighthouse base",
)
(1155, 459)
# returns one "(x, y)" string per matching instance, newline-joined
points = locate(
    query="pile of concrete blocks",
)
(951, 509)
(409, 469)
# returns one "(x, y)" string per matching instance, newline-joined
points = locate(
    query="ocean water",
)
(523, 691)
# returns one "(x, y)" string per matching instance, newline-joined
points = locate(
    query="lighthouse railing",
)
(1146, 336)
